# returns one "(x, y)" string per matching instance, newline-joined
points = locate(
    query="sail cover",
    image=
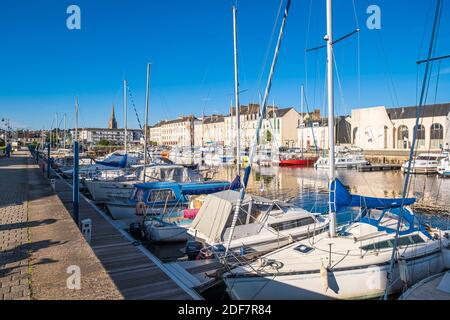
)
(115, 161)
(341, 198)
(210, 222)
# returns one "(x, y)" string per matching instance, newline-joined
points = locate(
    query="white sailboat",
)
(384, 250)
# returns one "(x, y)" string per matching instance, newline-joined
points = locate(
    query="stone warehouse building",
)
(379, 128)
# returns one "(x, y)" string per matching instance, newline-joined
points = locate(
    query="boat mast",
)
(303, 117)
(125, 114)
(146, 119)
(57, 131)
(236, 95)
(65, 129)
(76, 119)
(330, 87)
(258, 126)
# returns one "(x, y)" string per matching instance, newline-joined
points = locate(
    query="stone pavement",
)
(39, 241)
(14, 252)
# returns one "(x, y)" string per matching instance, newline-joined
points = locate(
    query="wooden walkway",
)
(134, 270)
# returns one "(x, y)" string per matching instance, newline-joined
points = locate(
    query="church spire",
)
(112, 121)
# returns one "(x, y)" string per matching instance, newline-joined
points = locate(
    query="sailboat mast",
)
(65, 130)
(76, 119)
(236, 94)
(146, 120)
(125, 115)
(302, 94)
(330, 87)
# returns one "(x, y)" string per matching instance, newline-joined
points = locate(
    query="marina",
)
(345, 199)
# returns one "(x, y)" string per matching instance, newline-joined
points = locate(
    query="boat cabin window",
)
(290, 224)
(161, 195)
(138, 195)
(402, 241)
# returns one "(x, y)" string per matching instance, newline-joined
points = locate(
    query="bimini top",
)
(341, 198)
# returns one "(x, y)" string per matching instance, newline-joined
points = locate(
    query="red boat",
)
(301, 162)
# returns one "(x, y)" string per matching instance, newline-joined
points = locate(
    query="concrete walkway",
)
(42, 250)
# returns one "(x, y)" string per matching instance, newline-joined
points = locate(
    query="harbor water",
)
(308, 188)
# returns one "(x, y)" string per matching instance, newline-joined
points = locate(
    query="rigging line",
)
(391, 85)
(425, 80)
(134, 106)
(267, 53)
(358, 53)
(425, 29)
(338, 78)
(308, 28)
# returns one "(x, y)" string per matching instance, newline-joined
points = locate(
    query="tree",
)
(268, 136)
(103, 142)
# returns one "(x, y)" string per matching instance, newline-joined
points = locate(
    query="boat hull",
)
(354, 283)
(298, 162)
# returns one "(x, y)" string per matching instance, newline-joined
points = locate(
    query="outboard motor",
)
(136, 231)
(193, 249)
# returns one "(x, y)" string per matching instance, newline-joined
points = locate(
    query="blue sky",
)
(44, 66)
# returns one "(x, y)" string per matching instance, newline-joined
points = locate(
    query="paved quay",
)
(44, 256)
(42, 250)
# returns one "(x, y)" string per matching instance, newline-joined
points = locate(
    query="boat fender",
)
(290, 239)
(140, 208)
(324, 276)
(403, 270)
(261, 262)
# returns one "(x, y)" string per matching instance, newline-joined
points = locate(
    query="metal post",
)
(76, 191)
(48, 161)
(65, 129)
(146, 119)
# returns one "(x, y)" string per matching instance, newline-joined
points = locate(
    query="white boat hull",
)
(175, 233)
(108, 190)
(354, 283)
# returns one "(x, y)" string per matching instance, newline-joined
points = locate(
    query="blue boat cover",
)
(203, 187)
(340, 198)
(121, 163)
(236, 183)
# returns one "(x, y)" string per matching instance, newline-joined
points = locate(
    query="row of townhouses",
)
(373, 128)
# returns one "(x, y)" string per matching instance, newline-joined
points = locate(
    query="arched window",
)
(402, 137)
(355, 132)
(420, 136)
(436, 136)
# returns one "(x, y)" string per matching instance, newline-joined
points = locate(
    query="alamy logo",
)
(374, 20)
(73, 21)
(73, 282)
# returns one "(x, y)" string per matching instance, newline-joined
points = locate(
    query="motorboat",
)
(347, 161)
(444, 167)
(154, 198)
(425, 163)
(104, 187)
(262, 224)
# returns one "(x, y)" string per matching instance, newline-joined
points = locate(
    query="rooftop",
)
(431, 110)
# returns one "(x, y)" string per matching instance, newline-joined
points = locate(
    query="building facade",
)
(378, 128)
(113, 136)
(209, 131)
(278, 128)
(178, 132)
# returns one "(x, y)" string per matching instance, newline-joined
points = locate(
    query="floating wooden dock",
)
(378, 167)
(136, 272)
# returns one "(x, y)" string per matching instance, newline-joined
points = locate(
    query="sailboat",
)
(297, 157)
(384, 250)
